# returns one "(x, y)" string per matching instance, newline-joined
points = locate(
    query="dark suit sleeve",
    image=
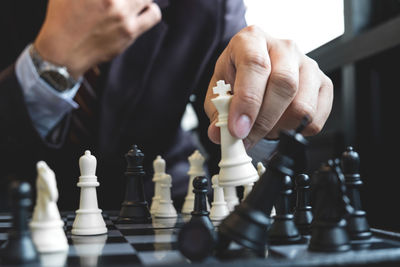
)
(232, 21)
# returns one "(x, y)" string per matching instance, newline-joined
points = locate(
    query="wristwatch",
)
(56, 76)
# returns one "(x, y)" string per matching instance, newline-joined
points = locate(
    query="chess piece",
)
(199, 228)
(330, 206)
(230, 196)
(46, 225)
(88, 219)
(236, 168)
(219, 208)
(283, 230)
(260, 169)
(357, 224)
(249, 187)
(134, 208)
(303, 212)
(248, 224)
(196, 162)
(165, 208)
(159, 171)
(20, 248)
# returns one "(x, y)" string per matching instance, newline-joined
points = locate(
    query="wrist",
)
(55, 75)
(57, 55)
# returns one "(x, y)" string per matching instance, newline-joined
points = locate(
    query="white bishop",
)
(88, 219)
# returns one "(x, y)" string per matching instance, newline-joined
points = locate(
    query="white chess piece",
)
(196, 161)
(46, 225)
(88, 219)
(260, 169)
(219, 208)
(159, 172)
(236, 168)
(165, 208)
(231, 197)
(249, 187)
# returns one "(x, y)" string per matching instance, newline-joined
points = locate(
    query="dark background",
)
(363, 65)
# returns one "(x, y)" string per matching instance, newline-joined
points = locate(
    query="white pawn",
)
(159, 172)
(196, 161)
(249, 187)
(88, 219)
(46, 226)
(219, 208)
(231, 197)
(165, 208)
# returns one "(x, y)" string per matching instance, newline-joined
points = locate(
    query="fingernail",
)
(243, 125)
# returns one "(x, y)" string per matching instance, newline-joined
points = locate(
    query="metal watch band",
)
(56, 76)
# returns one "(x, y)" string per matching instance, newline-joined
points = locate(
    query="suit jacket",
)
(144, 93)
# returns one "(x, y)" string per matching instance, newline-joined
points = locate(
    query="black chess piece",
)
(249, 223)
(330, 207)
(197, 238)
(303, 212)
(283, 230)
(135, 208)
(19, 248)
(357, 224)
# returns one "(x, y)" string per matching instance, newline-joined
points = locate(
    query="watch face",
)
(56, 80)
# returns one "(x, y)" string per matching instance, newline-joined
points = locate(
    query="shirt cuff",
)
(45, 105)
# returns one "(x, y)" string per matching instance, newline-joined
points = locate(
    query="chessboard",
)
(156, 244)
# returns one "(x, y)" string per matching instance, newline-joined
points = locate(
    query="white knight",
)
(46, 225)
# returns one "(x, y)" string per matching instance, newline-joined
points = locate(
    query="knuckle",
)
(302, 109)
(108, 4)
(250, 97)
(252, 29)
(313, 63)
(290, 44)
(262, 125)
(328, 82)
(314, 128)
(257, 61)
(286, 82)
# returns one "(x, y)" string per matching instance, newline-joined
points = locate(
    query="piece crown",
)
(87, 164)
(196, 159)
(159, 165)
(222, 88)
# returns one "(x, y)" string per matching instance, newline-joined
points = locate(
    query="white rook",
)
(88, 219)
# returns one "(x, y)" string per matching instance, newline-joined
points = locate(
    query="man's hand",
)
(80, 34)
(274, 87)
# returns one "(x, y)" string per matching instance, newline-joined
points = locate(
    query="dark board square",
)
(107, 260)
(155, 246)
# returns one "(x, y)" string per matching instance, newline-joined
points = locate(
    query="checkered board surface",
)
(156, 244)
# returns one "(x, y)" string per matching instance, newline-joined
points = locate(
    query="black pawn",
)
(330, 206)
(134, 208)
(303, 212)
(283, 230)
(20, 248)
(357, 223)
(197, 238)
(249, 223)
